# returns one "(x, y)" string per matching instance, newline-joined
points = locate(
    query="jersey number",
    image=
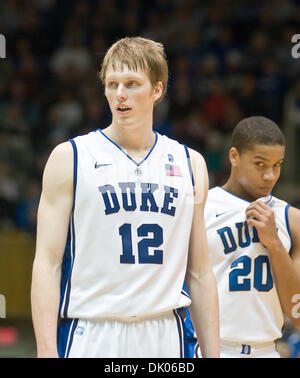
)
(143, 245)
(263, 280)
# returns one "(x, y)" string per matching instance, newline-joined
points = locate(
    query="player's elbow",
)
(196, 279)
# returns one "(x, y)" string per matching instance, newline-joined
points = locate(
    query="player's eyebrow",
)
(265, 159)
(260, 157)
(125, 76)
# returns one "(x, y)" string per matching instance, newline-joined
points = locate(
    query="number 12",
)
(144, 257)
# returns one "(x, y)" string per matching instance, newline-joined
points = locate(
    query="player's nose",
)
(121, 92)
(269, 175)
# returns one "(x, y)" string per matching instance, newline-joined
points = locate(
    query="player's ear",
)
(158, 90)
(234, 156)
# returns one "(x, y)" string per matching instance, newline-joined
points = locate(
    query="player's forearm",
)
(45, 304)
(287, 279)
(204, 312)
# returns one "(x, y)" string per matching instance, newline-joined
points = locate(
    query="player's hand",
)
(262, 217)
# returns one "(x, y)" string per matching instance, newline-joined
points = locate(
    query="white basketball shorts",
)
(139, 337)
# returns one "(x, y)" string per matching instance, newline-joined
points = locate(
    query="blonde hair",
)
(138, 53)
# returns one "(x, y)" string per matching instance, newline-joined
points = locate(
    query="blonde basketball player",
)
(254, 243)
(120, 226)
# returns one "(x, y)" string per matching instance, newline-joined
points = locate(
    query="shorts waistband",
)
(248, 348)
(137, 318)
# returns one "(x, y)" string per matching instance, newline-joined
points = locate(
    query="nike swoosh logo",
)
(101, 165)
(217, 215)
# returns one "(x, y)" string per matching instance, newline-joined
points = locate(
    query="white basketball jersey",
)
(129, 231)
(249, 305)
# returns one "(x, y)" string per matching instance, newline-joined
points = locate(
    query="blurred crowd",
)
(227, 60)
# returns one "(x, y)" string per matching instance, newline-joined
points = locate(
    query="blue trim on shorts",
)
(179, 332)
(65, 334)
(184, 353)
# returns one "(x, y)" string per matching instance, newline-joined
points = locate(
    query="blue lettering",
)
(147, 195)
(131, 186)
(228, 242)
(129, 201)
(243, 236)
(255, 238)
(170, 194)
(240, 227)
(110, 207)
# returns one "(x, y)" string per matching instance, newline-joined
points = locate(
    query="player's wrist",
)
(275, 246)
(47, 353)
(47, 350)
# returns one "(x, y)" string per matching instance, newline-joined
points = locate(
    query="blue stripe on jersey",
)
(65, 333)
(75, 168)
(185, 294)
(138, 164)
(65, 270)
(69, 254)
(189, 163)
(288, 223)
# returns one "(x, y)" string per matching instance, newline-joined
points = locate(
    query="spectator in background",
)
(9, 194)
(270, 88)
(26, 209)
(246, 97)
(292, 124)
(216, 104)
(73, 55)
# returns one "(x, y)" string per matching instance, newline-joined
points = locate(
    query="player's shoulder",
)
(61, 152)
(59, 166)
(86, 138)
(294, 215)
(197, 159)
(177, 144)
(168, 141)
(195, 154)
(214, 193)
(217, 201)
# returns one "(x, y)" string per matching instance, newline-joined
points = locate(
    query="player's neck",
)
(233, 187)
(132, 139)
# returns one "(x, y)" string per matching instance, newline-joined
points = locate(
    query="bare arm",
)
(286, 268)
(200, 279)
(52, 228)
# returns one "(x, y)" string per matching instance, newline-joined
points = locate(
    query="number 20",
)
(258, 284)
(144, 257)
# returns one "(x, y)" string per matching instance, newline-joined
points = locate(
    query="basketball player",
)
(121, 226)
(254, 244)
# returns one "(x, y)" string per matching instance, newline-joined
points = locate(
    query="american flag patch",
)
(172, 170)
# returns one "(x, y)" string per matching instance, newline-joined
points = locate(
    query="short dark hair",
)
(256, 130)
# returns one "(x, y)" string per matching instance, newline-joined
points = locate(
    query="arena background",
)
(228, 60)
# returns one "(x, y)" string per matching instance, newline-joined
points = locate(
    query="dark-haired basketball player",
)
(254, 244)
